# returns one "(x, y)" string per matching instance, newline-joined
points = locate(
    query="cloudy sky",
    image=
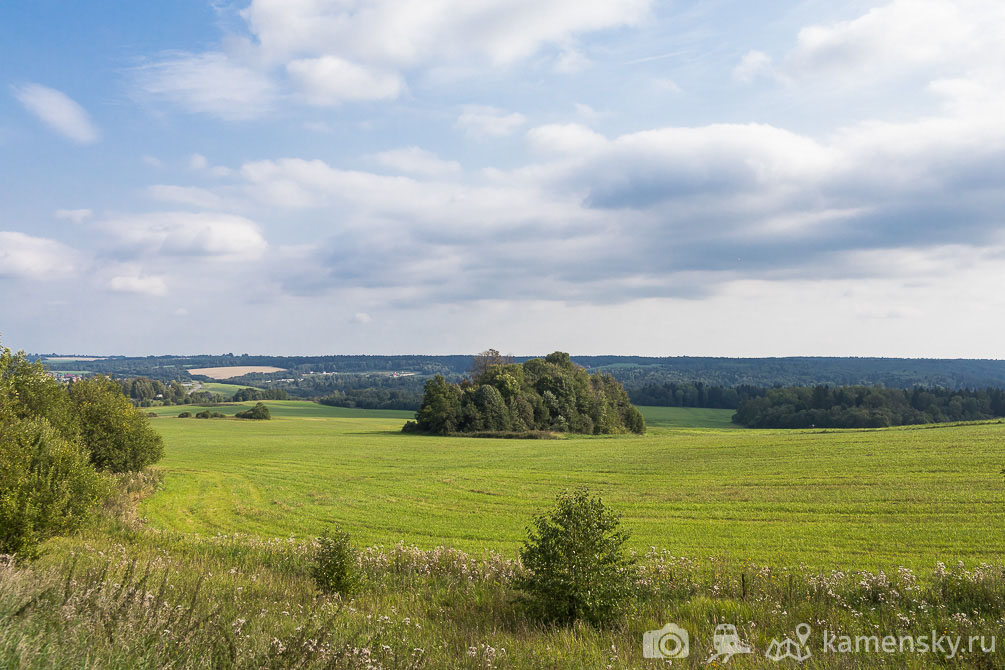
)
(598, 176)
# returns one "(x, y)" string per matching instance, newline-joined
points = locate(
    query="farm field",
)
(855, 499)
(229, 372)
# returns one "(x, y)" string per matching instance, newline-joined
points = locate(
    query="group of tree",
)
(374, 398)
(146, 392)
(696, 394)
(550, 394)
(866, 406)
(249, 393)
(56, 441)
(259, 411)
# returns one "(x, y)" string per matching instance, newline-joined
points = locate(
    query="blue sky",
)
(617, 176)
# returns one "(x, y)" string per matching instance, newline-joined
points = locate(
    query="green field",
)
(226, 390)
(862, 499)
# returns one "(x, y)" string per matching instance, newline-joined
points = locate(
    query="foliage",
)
(117, 435)
(576, 563)
(549, 394)
(47, 485)
(866, 407)
(246, 394)
(259, 411)
(334, 567)
(185, 415)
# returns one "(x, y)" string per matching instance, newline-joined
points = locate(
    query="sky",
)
(645, 177)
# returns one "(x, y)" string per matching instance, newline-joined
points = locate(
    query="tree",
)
(117, 435)
(259, 411)
(47, 484)
(440, 411)
(576, 563)
(486, 359)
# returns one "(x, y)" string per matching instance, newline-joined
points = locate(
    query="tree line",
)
(57, 444)
(549, 394)
(866, 406)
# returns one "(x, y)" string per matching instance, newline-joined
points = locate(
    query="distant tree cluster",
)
(146, 392)
(247, 394)
(374, 398)
(866, 407)
(551, 393)
(259, 411)
(697, 394)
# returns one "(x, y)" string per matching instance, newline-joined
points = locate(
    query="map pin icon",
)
(803, 633)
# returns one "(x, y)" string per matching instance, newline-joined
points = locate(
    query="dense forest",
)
(634, 372)
(866, 407)
(549, 394)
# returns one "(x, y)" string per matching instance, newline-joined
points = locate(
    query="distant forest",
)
(397, 382)
(866, 407)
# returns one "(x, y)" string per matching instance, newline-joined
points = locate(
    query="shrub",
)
(47, 485)
(204, 414)
(336, 564)
(185, 415)
(117, 434)
(259, 411)
(576, 566)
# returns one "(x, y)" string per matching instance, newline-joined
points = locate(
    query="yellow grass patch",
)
(233, 371)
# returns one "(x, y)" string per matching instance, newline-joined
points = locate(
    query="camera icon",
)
(671, 641)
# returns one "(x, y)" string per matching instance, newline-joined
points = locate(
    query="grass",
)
(219, 574)
(226, 390)
(855, 499)
(689, 417)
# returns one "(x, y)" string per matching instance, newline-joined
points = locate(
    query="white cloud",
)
(216, 236)
(208, 83)
(26, 257)
(753, 65)
(146, 285)
(74, 215)
(329, 81)
(152, 161)
(58, 111)
(564, 138)
(485, 121)
(198, 162)
(418, 161)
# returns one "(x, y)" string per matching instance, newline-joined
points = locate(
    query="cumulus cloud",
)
(329, 80)
(486, 121)
(146, 285)
(753, 65)
(334, 52)
(208, 83)
(58, 111)
(416, 160)
(223, 237)
(27, 257)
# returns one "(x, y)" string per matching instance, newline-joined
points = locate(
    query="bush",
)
(575, 562)
(185, 415)
(47, 485)
(117, 434)
(259, 411)
(336, 564)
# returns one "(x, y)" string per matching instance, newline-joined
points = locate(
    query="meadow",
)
(205, 562)
(695, 485)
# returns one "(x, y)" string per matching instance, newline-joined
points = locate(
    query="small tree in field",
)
(259, 411)
(576, 564)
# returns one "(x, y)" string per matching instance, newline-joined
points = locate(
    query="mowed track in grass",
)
(855, 499)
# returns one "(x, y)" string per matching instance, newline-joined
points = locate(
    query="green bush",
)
(115, 432)
(259, 411)
(47, 485)
(576, 566)
(185, 415)
(336, 567)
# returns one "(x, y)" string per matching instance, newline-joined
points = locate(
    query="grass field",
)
(855, 499)
(226, 390)
(228, 372)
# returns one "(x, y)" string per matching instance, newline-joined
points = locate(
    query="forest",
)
(549, 394)
(866, 407)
